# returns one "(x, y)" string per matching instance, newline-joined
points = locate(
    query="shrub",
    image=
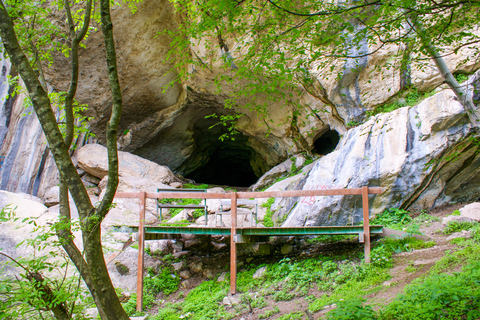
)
(440, 296)
(393, 218)
(456, 226)
(352, 309)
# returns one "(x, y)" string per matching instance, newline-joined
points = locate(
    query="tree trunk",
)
(90, 218)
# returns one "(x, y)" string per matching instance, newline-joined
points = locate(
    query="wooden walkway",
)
(241, 235)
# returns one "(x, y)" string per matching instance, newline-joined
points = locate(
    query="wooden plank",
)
(240, 202)
(233, 246)
(248, 195)
(186, 206)
(116, 253)
(306, 193)
(141, 252)
(366, 223)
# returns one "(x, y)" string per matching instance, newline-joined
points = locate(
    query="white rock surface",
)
(450, 218)
(471, 211)
(93, 159)
(391, 151)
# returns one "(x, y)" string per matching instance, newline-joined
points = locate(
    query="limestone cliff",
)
(167, 124)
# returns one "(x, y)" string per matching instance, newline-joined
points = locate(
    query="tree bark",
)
(90, 218)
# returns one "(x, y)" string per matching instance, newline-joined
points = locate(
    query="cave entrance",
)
(326, 142)
(231, 162)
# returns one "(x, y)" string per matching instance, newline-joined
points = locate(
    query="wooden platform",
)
(240, 235)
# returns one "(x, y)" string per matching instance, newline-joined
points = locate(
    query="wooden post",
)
(366, 223)
(233, 245)
(141, 251)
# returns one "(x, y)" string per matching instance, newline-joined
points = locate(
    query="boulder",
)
(129, 259)
(471, 211)
(462, 234)
(93, 159)
(448, 219)
(52, 196)
(270, 176)
(259, 273)
(134, 184)
(213, 205)
(15, 230)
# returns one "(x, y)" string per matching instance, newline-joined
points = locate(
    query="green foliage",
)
(352, 124)
(202, 301)
(457, 226)
(410, 98)
(329, 239)
(393, 218)
(455, 213)
(130, 306)
(197, 213)
(202, 186)
(42, 281)
(176, 224)
(165, 281)
(267, 220)
(269, 313)
(352, 309)
(292, 316)
(461, 77)
(440, 296)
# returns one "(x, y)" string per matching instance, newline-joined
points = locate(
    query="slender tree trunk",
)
(460, 92)
(64, 234)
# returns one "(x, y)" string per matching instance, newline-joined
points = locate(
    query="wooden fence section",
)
(233, 196)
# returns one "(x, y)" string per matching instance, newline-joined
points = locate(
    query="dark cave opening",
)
(326, 142)
(227, 166)
(231, 162)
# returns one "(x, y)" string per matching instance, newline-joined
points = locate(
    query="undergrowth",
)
(410, 98)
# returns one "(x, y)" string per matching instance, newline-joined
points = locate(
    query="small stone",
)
(196, 266)
(177, 266)
(471, 211)
(259, 273)
(121, 268)
(286, 249)
(91, 313)
(231, 300)
(180, 254)
(176, 185)
(221, 277)
(185, 284)
(185, 274)
(387, 283)
(209, 273)
(423, 262)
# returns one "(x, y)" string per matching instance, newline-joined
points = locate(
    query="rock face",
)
(420, 156)
(93, 159)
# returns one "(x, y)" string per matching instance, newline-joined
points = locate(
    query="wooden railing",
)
(233, 196)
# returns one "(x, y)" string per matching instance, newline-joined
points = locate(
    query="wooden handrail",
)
(364, 192)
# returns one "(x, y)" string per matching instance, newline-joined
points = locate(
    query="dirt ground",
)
(407, 267)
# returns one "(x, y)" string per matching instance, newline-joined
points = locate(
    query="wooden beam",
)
(116, 253)
(366, 223)
(233, 245)
(141, 251)
(248, 195)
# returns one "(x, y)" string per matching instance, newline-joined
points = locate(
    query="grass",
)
(410, 98)
(267, 220)
(343, 280)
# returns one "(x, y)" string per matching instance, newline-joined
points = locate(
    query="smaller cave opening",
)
(326, 142)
